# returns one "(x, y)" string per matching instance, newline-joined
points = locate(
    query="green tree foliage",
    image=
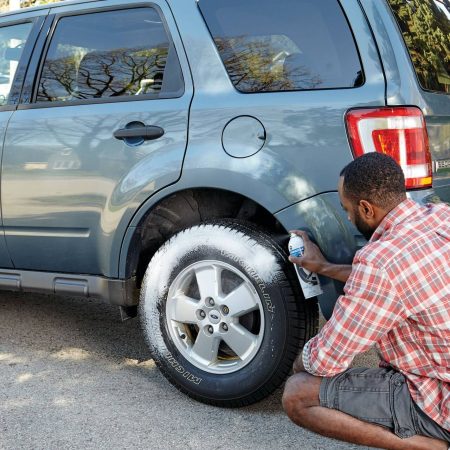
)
(4, 4)
(26, 3)
(426, 30)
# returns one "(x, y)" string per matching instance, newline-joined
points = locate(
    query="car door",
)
(104, 127)
(17, 36)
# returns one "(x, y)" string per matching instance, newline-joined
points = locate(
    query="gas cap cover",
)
(243, 136)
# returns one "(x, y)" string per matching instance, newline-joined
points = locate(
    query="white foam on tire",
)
(222, 238)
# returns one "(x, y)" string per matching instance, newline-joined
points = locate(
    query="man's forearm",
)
(339, 272)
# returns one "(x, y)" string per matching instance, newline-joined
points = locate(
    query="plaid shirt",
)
(398, 298)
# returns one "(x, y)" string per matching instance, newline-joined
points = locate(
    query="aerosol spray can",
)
(309, 281)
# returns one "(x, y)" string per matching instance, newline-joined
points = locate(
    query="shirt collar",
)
(393, 217)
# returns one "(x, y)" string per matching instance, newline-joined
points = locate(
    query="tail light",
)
(399, 132)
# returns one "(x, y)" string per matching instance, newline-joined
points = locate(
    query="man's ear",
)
(366, 209)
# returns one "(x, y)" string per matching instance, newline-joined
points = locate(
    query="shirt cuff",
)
(305, 358)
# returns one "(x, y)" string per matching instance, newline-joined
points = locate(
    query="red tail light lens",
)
(399, 132)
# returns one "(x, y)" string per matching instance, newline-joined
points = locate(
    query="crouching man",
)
(397, 297)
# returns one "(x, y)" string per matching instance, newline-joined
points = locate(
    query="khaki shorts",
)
(379, 396)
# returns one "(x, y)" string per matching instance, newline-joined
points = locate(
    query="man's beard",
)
(362, 226)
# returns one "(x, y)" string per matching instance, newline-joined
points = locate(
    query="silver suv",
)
(156, 154)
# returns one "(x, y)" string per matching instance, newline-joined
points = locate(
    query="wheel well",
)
(187, 208)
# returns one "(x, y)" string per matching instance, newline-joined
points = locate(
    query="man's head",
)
(370, 187)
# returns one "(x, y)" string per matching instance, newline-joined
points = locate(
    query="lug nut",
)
(183, 336)
(210, 330)
(224, 327)
(210, 301)
(202, 314)
(225, 310)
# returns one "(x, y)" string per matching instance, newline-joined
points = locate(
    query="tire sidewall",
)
(175, 366)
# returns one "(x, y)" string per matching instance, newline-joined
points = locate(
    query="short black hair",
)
(374, 177)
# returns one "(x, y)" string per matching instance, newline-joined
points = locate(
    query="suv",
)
(157, 153)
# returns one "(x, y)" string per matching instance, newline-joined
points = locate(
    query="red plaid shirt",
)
(398, 298)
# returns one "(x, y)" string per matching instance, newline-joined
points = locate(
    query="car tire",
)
(222, 313)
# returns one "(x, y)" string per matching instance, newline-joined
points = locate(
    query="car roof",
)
(47, 6)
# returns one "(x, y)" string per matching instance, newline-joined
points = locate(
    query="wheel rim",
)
(215, 316)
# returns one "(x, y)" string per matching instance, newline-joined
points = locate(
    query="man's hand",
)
(314, 261)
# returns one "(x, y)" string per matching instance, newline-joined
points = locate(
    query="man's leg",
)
(301, 403)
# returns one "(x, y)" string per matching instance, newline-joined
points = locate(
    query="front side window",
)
(110, 54)
(425, 25)
(12, 42)
(284, 45)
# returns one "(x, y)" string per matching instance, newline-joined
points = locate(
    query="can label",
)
(309, 281)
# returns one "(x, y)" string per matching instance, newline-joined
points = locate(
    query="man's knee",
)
(300, 392)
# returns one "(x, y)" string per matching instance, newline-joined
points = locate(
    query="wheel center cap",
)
(214, 316)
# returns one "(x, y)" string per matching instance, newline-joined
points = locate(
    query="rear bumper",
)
(423, 196)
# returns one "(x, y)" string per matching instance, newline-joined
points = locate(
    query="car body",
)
(86, 201)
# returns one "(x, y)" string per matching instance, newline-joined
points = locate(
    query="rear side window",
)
(284, 45)
(425, 25)
(110, 54)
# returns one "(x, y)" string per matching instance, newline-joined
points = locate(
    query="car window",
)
(110, 54)
(425, 25)
(282, 46)
(12, 41)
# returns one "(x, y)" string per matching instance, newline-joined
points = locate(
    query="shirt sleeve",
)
(369, 308)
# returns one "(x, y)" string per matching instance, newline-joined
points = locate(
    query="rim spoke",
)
(209, 281)
(195, 322)
(205, 348)
(183, 309)
(240, 340)
(241, 301)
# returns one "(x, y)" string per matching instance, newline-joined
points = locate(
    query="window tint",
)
(425, 25)
(12, 41)
(110, 54)
(284, 45)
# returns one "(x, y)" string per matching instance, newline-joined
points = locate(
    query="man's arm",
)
(369, 309)
(314, 261)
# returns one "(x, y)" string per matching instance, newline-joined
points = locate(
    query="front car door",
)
(105, 128)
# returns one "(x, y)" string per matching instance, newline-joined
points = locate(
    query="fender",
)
(252, 178)
(324, 219)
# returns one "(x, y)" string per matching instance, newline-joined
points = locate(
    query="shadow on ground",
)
(75, 376)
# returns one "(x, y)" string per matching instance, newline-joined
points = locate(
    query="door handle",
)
(148, 133)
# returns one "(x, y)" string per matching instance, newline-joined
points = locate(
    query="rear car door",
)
(105, 119)
(17, 36)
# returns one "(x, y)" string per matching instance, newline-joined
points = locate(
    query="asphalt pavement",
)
(73, 376)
